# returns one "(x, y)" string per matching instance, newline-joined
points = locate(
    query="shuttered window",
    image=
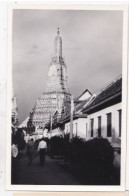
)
(92, 127)
(99, 126)
(109, 125)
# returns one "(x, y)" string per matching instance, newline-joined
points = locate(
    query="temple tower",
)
(57, 76)
(56, 96)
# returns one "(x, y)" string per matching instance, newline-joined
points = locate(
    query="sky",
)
(92, 50)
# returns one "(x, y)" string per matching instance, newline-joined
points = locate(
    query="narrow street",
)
(52, 173)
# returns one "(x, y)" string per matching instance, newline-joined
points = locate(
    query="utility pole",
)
(71, 119)
(43, 130)
(51, 125)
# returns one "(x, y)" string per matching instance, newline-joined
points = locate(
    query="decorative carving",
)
(57, 93)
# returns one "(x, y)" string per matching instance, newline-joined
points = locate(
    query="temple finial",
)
(58, 44)
(58, 31)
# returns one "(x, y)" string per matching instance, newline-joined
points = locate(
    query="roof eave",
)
(116, 97)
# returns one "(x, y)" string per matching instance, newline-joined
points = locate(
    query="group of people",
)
(37, 147)
(33, 148)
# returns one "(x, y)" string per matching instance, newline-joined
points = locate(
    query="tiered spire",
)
(57, 93)
(58, 45)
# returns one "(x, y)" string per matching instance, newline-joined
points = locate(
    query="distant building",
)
(57, 95)
(62, 126)
(95, 115)
(14, 111)
(24, 123)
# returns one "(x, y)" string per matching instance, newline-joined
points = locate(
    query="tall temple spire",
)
(57, 94)
(57, 76)
(58, 45)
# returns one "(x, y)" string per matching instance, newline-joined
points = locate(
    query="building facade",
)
(57, 95)
(79, 119)
(104, 113)
(97, 115)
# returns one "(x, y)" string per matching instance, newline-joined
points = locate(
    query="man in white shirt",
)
(42, 150)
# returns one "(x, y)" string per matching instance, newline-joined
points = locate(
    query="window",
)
(99, 126)
(120, 115)
(92, 127)
(109, 125)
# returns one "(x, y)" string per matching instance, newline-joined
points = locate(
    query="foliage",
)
(99, 149)
(90, 161)
(76, 149)
(57, 146)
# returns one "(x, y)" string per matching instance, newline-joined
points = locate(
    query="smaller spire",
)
(58, 31)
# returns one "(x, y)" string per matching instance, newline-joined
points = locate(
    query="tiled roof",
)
(78, 105)
(114, 89)
(81, 108)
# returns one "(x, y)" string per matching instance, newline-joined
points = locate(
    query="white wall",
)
(85, 96)
(115, 123)
(84, 132)
(79, 127)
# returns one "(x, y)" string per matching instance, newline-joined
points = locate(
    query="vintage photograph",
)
(67, 97)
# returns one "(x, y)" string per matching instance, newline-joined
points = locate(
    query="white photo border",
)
(127, 161)
(63, 6)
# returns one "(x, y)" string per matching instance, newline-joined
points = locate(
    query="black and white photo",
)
(67, 87)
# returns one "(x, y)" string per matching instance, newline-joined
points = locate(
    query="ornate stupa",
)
(56, 96)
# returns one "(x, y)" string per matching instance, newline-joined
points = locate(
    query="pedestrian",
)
(14, 151)
(31, 150)
(116, 166)
(36, 143)
(14, 154)
(26, 138)
(42, 150)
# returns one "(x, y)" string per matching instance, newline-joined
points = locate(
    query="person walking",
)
(14, 154)
(14, 151)
(42, 150)
(31, 150)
